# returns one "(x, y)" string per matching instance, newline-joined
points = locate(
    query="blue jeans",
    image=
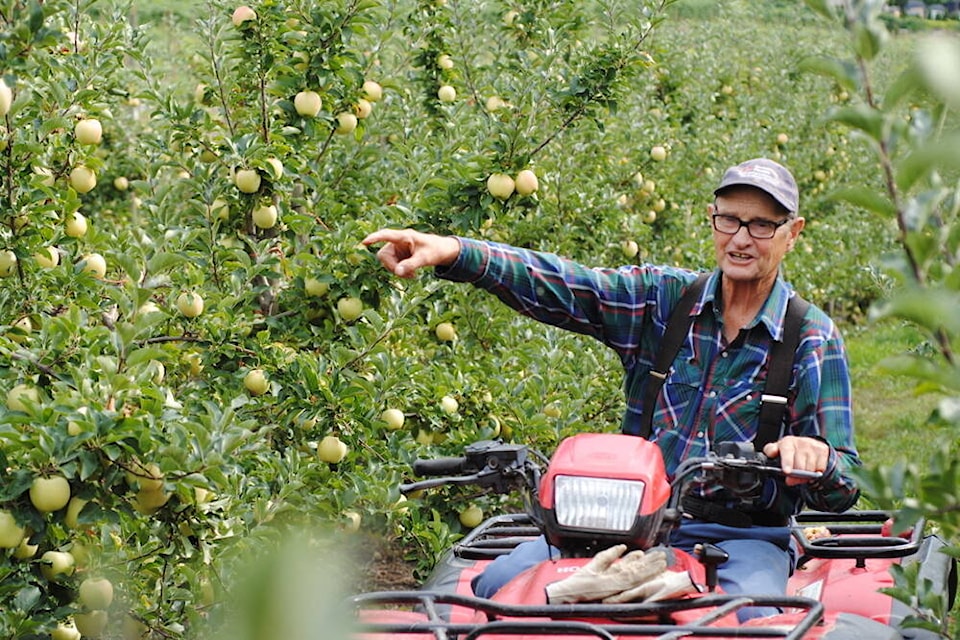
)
(761, 560)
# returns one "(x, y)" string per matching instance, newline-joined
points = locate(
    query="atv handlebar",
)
(439, 466)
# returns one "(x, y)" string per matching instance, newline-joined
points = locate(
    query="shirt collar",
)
(772, 313)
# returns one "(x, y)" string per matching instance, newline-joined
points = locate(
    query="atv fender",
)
(850, 626)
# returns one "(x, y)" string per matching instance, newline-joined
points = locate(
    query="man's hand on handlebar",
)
(799, 453)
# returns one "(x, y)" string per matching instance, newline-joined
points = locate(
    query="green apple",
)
(471, 516)
(630, 248)
(658, 153)
(247, 180)
(500, 185)
(782, 138)
(120, 183)
(346, 123)
(76, 225)
(552, 411)
(372, 91)
(8, 263)
(446, 93)
(147, 477)
(331, 449)
(526, 182)
(219, 208)
(47, 257)
(25, 550)
(352, 521)
(65, 631)
(307, 103)
(74, 507)
(190, 304)
(88, 131)
(363, 108)
(449, 405)
(49, 494)
(314, 287)
(147, 308)
(650, 216)
(394, 418)
(91, 624)
(96, 593)
(445, 62)
(276, 168)
(256, 382)
(659, 205)
(446, 332)
(56, 563)
(243, 14)
(47, 179)
(11, 534)
(159, 371)
(6, 98)
(95, 265)
(148, 501)
(23, 327)
(349, 308)
(494, 103)
(265, 216)
(18, 396)
(83, 179)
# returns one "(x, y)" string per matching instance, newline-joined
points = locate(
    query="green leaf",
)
(923, 369)
(842, 72)
(861, 117)
(943, 154)
(905, 85)
(866, 198)
(868, 39)
(821, 7)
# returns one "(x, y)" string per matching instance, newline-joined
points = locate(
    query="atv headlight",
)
(597, 503)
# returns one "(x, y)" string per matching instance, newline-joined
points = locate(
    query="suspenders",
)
(773, 402)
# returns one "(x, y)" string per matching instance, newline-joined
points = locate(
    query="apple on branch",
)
(190, 304)
(372, 91)
(8, 263)
(256, 382)
(307, 103)
(88, 131)
(6, 98)
(247, 180)
(48, 494)
(75, 225)
(83, 179)
(243, 14)
(500, 185)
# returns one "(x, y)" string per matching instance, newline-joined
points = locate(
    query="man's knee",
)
(506, 567)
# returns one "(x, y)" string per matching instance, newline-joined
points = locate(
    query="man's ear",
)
(795, 228)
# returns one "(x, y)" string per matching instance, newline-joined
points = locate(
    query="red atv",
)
(600, 490)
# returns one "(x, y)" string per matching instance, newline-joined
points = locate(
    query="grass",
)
(892, 422)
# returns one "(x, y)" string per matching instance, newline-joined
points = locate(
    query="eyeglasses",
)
(758, 229)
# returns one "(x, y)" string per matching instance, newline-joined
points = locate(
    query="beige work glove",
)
(604, 576)
(670, 584)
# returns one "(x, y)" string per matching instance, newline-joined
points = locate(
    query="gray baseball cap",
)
(765, 175)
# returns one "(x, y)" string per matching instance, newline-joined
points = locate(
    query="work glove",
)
(604, 576)
(670, 584)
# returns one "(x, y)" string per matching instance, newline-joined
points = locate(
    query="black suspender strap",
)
(773, 402)
(678, 325)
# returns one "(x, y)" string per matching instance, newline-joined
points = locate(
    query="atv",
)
(599, 490)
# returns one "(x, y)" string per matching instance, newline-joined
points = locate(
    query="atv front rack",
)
(480, 617)
(856, 535)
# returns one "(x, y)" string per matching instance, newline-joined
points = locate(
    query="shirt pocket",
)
(736, 414)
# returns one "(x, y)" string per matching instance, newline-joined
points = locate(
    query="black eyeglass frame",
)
(751, 225)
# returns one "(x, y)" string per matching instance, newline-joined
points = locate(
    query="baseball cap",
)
(765, 175)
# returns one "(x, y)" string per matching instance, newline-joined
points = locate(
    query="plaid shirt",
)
(712, 393)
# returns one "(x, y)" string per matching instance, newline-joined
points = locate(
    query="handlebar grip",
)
(439, 466)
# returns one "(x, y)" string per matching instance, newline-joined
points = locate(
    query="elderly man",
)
(712, 390)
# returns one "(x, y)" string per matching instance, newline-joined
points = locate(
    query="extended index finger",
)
(384, 235)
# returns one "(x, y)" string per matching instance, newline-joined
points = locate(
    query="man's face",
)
(741, 257)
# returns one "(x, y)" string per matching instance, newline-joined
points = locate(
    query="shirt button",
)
(749, 396)
(724, 354)
(699, 434)
(712, 394)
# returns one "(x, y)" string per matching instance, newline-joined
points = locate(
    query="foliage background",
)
(186, 98)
